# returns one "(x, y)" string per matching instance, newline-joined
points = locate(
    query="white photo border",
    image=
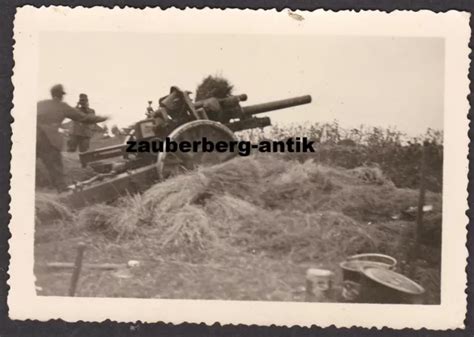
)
(453, 26)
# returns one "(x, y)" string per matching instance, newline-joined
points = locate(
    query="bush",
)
(213, 86)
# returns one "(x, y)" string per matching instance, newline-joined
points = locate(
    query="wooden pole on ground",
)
(77, 268)
(99, 266)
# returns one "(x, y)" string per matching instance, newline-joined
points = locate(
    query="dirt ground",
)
(244, 230)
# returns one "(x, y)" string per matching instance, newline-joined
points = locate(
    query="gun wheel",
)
(172, 163)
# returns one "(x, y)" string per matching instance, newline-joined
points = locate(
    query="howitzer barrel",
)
(228, 101)
(276, 105)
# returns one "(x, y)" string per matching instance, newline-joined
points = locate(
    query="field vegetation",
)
(395, 153)
(249, 228)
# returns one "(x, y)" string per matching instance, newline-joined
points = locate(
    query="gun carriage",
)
(178, 119)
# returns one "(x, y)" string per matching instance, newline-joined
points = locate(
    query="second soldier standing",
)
(81, 133)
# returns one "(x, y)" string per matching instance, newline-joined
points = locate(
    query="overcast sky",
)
(376, 81)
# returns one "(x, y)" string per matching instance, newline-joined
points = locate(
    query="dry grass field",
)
(244, 230)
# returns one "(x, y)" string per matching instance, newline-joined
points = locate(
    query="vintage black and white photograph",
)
(299, 167)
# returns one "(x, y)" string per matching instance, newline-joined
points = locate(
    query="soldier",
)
(149, 110)
(81, 133)
(51, 113)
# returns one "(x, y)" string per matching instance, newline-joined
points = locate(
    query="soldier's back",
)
(51, 111)
(50, 116)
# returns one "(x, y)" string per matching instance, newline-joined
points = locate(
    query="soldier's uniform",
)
(49, 142)
(81, 133)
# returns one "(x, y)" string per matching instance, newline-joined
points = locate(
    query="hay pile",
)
(267, 205)
(48, 208)
(125, 218)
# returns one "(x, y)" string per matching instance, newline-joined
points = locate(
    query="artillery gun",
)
(177, 119)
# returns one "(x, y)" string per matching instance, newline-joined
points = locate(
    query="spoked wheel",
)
(174, 163)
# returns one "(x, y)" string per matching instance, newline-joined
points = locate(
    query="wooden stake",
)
(421, 200)
(419, 216)
(77, 268)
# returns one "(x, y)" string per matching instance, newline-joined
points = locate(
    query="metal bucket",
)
(386, 286)
(353, 266)
(352, 272)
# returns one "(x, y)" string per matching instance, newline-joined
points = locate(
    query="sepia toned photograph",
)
(301, 167)
(269, 226)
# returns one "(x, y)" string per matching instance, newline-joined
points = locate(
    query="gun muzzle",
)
(276, 105)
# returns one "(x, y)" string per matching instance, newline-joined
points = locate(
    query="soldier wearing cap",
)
(81, 133)
(51, 114)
